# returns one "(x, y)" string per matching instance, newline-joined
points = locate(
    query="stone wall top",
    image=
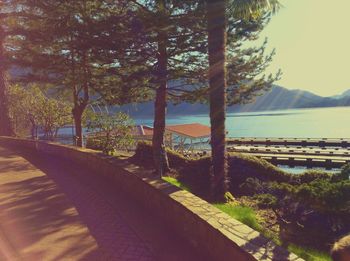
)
(201, 224)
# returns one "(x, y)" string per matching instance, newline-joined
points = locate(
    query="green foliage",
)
(24, 111)
(112, 132)
(326, 196)
(266, 200)
(229, 197)
(345, 172)
(317, 209)
(242, 167)
(311, 175)
(196, 172)
(243, 214)
(314, 204)
(309, 254)
(73, 46)
(31, 109)
(176, 183)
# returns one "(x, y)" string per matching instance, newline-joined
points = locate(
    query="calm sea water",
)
(295, 123)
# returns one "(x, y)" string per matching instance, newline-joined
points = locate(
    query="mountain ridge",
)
(278, 98)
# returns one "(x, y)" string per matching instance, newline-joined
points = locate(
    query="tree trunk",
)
(6, 128)
(33, 130)
(77, 115)
(217, 95)
(159, 153)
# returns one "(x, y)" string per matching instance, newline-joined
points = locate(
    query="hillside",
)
(278, 98)
(344, 94)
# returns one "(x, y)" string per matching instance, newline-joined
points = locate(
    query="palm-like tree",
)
(217, 12)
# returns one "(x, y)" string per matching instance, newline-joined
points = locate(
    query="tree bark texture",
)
(217, 95)
(159, 153)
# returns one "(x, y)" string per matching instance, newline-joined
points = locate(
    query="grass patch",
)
(176, 183)
(309, 254)
(246, 215)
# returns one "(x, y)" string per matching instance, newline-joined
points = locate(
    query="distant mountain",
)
(281, 98)
(344, 94)
(278, 98)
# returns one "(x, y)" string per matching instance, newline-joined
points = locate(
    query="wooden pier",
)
(303, 142)
(325, 153)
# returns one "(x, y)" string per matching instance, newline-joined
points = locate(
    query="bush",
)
(345, 171)
(111, 132)
(242, 167)
(326, 196)
(143, 155)
(95, 143)
(312, 205)
(266, 200)
(311, 175)
(318, 209)
(196, 172)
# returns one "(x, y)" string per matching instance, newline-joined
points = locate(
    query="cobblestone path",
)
(53, 209)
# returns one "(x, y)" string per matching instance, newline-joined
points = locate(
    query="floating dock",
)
(303, 142)
(325, 153)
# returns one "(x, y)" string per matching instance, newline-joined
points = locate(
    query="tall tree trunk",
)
(217, 92)
(159, 153)
(77, 115)
(6, 128)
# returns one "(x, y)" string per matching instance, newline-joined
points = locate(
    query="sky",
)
(312, 42)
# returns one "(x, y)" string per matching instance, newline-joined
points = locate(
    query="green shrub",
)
(309, 254)
(345, 171)
(242, 167)
(266, 200)
(311, 175)
(95, 143)
(326, 196)
(111, 132)
(143, 155)
(318, 209)
(314, 204)
(196, 172)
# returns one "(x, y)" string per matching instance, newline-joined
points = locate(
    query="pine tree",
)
(169, 45)
(217, 37)
(67, 44)
(217, 94)
(6, 127)
(166, 46)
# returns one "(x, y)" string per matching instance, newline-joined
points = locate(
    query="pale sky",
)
(312, 41)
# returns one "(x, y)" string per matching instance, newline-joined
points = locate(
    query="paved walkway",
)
(52, 209)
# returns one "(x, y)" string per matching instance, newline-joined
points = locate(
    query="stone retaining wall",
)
(205, 227)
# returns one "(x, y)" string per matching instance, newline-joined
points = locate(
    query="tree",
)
(217, 94)
(55, 115)
(170, 48)
(217, 37)
(25, 109)
(67, 44)
(165, 47)
(6, 127)
(112, 131)
(31, 108)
